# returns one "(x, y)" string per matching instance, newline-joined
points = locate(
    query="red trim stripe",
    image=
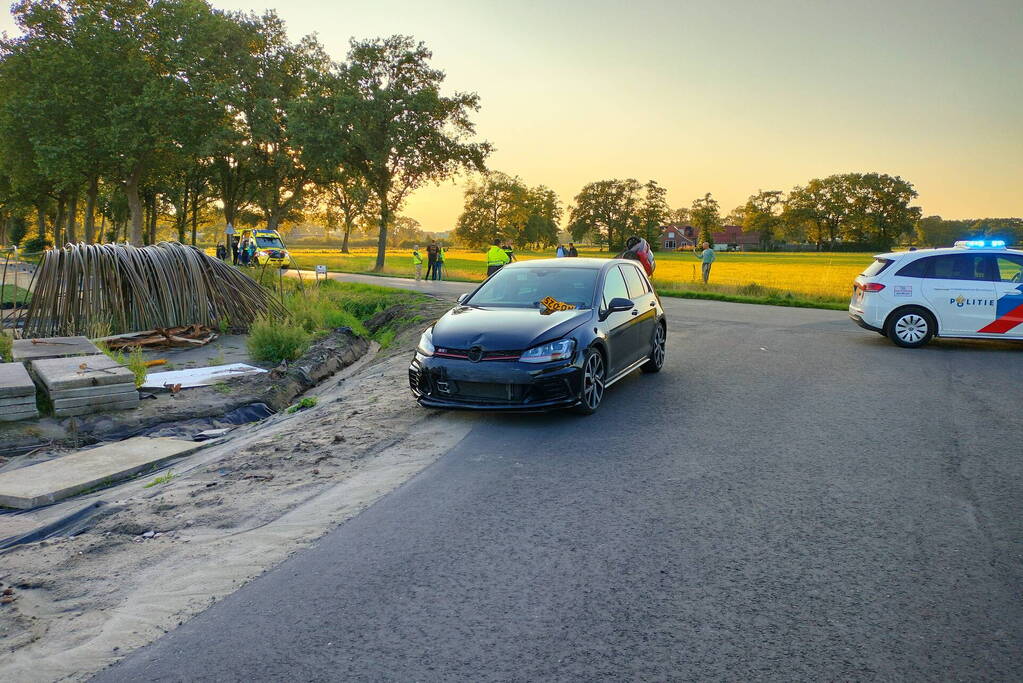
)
(1005, 323)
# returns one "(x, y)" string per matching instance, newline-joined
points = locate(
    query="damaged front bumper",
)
(495, 385)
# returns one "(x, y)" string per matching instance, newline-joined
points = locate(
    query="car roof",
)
(895, 255)
(569, 262)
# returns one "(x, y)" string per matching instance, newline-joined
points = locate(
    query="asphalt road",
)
(793, 498)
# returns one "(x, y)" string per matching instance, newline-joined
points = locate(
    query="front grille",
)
(463, 354)
(481, 391)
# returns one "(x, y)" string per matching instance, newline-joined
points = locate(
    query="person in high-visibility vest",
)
(417, 263)
(496, 258)
(438, 268)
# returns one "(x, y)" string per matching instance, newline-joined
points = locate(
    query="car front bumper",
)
(495, 385)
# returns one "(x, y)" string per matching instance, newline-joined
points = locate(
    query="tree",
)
(137, 80)
(392, 125)
(827, 205)
(706, 218)
(934, 231)
(653, 212)
(496, 208)
(762, 213)
(350, 194)
(543, 223)
(679, 216)
(1008, 229)
(881, 207)
(279, 76)
(606, 211)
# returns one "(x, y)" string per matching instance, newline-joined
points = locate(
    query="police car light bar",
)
(980, 244)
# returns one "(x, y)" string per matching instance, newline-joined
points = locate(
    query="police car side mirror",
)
(463, 297)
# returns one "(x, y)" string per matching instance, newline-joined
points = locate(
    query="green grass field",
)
(807, 279)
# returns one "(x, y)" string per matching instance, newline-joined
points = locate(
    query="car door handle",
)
(652, 304)
(635, 311)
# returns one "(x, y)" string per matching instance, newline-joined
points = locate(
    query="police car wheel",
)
(911, 327)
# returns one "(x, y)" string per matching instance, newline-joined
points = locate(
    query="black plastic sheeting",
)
(69, 525)
(187, 429)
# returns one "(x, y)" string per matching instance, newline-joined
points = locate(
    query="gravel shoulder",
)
(230, 512)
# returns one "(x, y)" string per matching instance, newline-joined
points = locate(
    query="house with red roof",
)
(675, 236)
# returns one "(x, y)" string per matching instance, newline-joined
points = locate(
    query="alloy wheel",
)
(657, 354)
(593, 381)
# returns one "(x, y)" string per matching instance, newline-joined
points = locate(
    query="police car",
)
(973, 290)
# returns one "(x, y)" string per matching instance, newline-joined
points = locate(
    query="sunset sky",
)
(720, 96)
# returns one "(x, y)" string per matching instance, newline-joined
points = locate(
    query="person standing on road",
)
(511, 252)
(707, 257)
(431, 259)
(438, 268)
(417, 263)
(496, 258)
(560, 253)
(572, 251)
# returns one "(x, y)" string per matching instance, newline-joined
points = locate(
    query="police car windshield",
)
(269, 242)
(526, 287)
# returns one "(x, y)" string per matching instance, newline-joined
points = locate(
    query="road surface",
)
(792, 498)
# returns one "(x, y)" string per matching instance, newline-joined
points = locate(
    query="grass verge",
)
(316, 309)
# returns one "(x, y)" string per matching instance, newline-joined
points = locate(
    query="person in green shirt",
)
(707, 257)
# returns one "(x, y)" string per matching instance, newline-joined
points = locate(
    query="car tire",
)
(594, 375)
(657, 350)
(911, 327)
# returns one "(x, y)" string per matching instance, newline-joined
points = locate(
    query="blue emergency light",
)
(980, 244)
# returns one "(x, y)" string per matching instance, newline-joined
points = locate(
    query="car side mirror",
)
(617, 305)
(463, 297)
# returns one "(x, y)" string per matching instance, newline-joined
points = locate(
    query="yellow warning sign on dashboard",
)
(552, 304)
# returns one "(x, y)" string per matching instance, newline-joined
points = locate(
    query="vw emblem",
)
(475, 354)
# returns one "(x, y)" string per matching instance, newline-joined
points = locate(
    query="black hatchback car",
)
(541, 335)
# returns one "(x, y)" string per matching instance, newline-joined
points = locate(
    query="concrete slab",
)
(15, 381)
(61, 374)
(14, 416)
(127, 404)
(63, 477)
(24, 350)
(15, 402)
(118, 397)
(84, 392)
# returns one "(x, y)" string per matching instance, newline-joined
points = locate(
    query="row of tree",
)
(144, 107)
(849, 210)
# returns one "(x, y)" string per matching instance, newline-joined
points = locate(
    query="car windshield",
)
(526, 287)
(269, 242)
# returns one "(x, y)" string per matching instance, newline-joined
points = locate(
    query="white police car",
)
(973, 290)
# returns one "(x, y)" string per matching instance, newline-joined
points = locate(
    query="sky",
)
(720, 96)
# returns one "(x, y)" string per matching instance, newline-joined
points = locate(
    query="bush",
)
(753, 289)
(36, 244)
(6, 342)
(277, 340)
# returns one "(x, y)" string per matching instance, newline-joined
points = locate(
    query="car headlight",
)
(425, 346)
(545, 353)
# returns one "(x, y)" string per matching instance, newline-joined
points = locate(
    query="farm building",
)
(678, 236)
